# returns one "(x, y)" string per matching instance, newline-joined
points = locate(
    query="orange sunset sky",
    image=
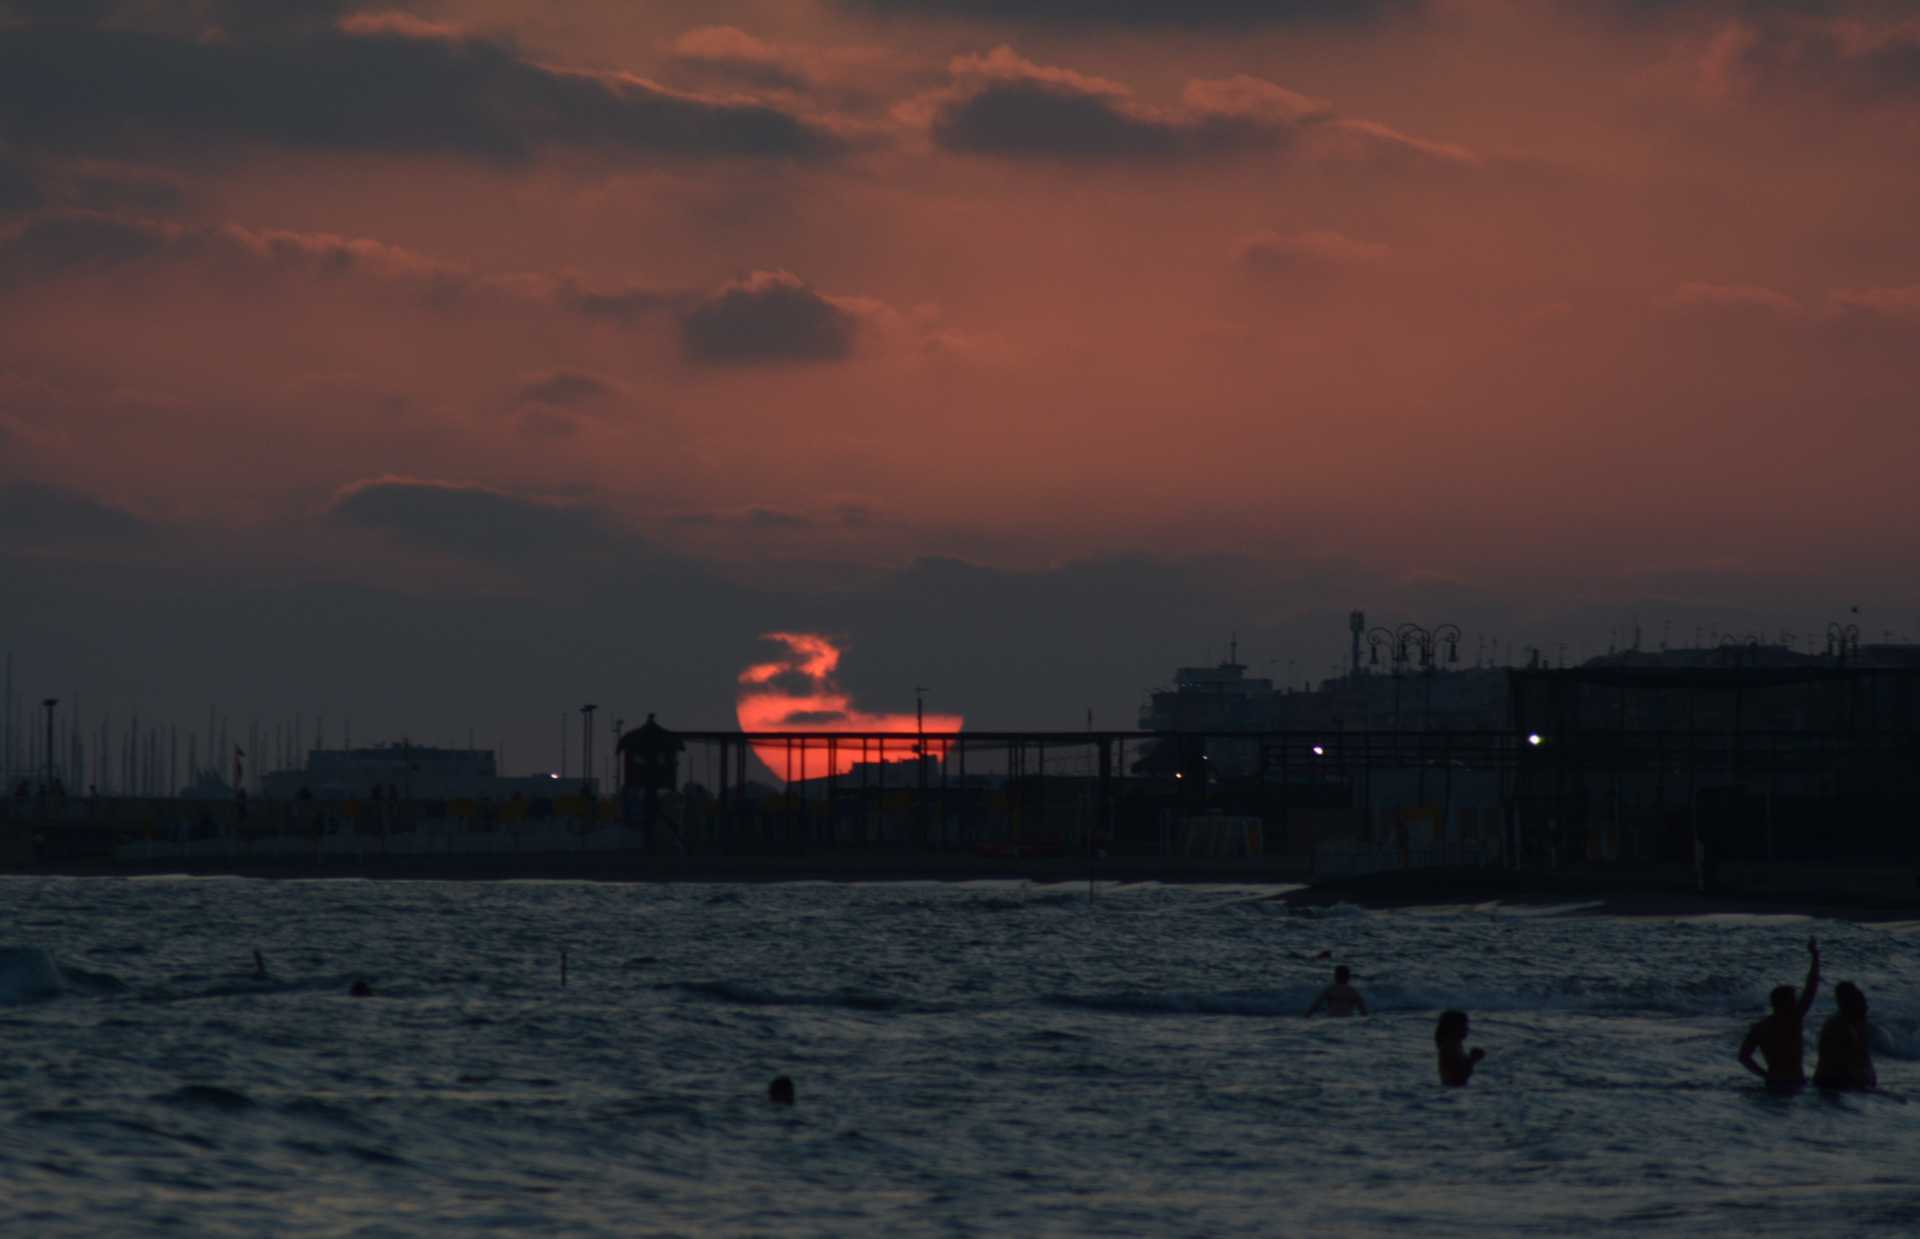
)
(450, 364)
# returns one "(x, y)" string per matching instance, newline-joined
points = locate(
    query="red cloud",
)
(1733, 297)
(797, 692)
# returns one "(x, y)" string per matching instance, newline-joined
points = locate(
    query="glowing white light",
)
(553, 776)
(1179, 775)
(1319, 751)
(1533, 738)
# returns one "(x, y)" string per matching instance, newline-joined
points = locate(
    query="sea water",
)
(994, 1058)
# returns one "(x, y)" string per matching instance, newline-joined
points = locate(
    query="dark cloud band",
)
(373, 90)
(469, 519)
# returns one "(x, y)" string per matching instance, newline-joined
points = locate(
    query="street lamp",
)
(1382, 638)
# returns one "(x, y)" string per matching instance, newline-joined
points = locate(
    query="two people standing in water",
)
(1457, 1062)
(1845, 1056)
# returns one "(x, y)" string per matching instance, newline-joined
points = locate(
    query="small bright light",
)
(1319, 751)
(1533, 738)
(1179, 774)
(553, 776)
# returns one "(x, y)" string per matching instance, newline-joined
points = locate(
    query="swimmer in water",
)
(1340, 999)
(1777, 1036)
(1846, 1052)
(1450, 1038)
(360, 989)
(780, 1092)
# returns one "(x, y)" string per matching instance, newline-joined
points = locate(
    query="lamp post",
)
(49, 703)
(586, 749)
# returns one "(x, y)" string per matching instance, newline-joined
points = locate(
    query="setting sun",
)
(796, 692)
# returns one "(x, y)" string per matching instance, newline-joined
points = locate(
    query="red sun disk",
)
(823, 709)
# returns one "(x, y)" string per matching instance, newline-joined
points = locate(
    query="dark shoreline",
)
(1571, 893)
(1592, 894)
(876, 865)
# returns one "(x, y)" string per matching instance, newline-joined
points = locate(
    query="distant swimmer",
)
(780, 1092)
(1450, 1038)
(259, 966)
(1340, 998)
(1846, 1055)
(360, 989)
(1777, 1036)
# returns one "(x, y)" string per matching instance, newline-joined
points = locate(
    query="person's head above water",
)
(780, 1092)
(1342, 974)
(1851, 1001)
(1784, 998)
(360, 989)
(1452, 1027)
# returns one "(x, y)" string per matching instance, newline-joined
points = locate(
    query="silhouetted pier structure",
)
(1703, 772)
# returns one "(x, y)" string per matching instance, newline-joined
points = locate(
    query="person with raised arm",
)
(1777, 1036)
(1340, 999)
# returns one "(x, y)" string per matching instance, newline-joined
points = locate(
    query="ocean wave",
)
(85, 981)
(1330, 911)
(1065, 896)
(1581, 995)
(28, 974)
(1190, 1002)
(742, 994)
(190, 988)
(1896, 1039)
(207, 1097)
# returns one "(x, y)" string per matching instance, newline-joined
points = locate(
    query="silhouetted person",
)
(360, 989)
(1846, 1052)
(259, 966)
(780, 1092)
(1777, 1036)
(1340, 998)
(1450, 1038)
